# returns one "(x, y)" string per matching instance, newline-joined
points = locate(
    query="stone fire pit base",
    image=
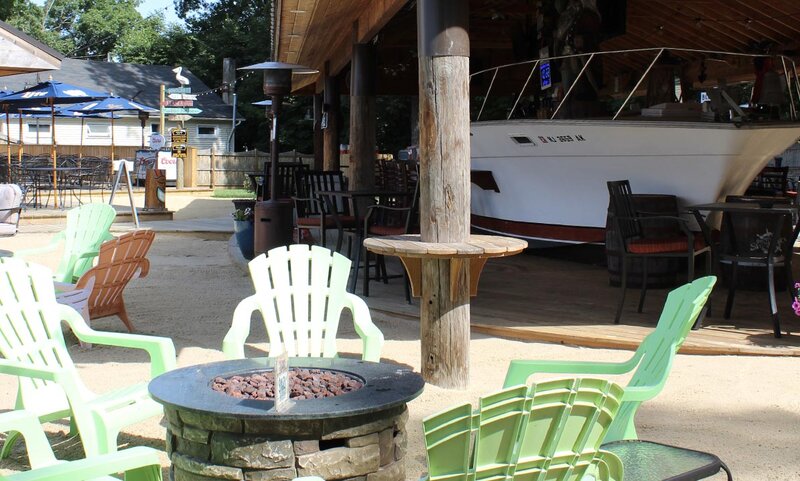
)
(364, 447)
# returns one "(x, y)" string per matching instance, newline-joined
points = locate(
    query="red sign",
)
(178, 103)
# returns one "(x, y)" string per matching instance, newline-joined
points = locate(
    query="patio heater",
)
(273, 217)
(143, 116)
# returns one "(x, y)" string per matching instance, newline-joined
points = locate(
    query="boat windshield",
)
(646, 84)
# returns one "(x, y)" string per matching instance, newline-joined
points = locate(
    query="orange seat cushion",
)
(382, 230)
(665, 245)
(316, 221)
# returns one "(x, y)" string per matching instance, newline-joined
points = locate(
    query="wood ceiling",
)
(313, 32)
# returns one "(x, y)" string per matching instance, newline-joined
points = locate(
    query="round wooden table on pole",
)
(423, 261)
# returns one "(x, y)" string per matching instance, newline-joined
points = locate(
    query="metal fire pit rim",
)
(387, 386)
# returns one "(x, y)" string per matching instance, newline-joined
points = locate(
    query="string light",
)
(222, 88)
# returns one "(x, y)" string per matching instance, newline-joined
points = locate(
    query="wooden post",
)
(444, 188)
(213, 162)
(331, 111)
(319, 135)
(362, 117)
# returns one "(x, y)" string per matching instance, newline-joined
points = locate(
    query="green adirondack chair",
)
(650, 364)
(546, 431)
(87, 228)
(301, 292)
(138, 464)
(32, 345)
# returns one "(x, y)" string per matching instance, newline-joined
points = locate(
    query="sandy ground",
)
(744, 409)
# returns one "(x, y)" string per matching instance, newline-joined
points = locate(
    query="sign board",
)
(179, 90)
(183, 96)
(179, 151)
(282, 389)
(145, 159)
(179, 136)
(179, 118)
(178, 103)
(168, 163)
(544, 74)
(182, 110)
(157, 141)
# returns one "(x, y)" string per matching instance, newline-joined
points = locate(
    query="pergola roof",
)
(20, 53)
(312, 32)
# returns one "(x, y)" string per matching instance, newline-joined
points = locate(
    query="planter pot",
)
(244, 203)
(244, 232)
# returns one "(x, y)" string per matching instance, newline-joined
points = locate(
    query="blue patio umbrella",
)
(50, 94)
(112, 104)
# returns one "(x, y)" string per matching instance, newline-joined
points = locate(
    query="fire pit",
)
(358, 434)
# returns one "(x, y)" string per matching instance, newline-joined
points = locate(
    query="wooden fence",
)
(200, 168)
(230, 169)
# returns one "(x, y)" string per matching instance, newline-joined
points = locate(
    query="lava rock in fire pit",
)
(303, 383)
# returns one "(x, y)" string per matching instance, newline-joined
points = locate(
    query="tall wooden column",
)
(319, 141)
(331, 111)
(362, 117)
(445, 187)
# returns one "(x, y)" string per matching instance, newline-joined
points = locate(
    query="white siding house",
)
(210, 128)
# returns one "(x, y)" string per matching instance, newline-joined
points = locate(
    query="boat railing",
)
(790, 76)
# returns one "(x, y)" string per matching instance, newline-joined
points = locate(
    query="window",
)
(206, 131)
(39, 128)
(154, 128)
(98, 129)
(521, 139)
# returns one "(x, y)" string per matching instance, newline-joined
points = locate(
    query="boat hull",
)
(545, 180)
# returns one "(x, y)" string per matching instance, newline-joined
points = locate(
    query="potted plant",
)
(244, 231)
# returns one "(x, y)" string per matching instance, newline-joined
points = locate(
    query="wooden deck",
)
(564, 296)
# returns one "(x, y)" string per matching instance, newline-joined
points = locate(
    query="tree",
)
(238, 29)
(90, 28)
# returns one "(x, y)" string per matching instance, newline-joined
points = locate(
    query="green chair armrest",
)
(140, 464)
(54, 241)
(233, 344)
(610, 467)
(371, 336)
(519, 371)
(88, 254)
(160, 349)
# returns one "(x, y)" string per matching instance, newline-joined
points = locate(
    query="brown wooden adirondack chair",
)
(119, 261)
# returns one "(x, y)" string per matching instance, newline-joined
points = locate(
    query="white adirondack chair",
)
(32, 347)
(300, 292)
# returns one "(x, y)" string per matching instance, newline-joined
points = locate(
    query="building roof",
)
(132, 81)
(22, 53)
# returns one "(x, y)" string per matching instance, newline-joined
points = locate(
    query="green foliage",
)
(233, 194)
(214, 29)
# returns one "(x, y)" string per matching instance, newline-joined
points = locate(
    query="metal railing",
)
(790, 75)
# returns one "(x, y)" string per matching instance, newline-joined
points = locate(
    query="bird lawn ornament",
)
(181, 79)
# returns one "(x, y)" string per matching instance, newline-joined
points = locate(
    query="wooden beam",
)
(331, 20)
(362, 117)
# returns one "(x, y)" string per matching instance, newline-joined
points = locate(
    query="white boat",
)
(545, 180)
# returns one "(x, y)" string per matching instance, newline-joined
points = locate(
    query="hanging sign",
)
(182, 110)
(544, 73)
(157, 141)
(179, 151)
(179, 136)
(179, 90)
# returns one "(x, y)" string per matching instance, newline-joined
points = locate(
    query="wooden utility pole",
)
(362, 117)
(444, 145)
(331, 112)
